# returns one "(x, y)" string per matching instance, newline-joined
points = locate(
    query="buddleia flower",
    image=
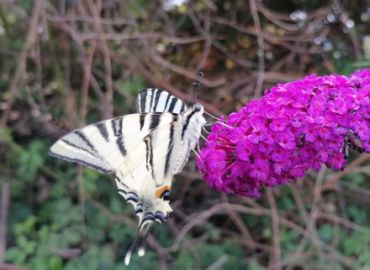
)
(295, 127)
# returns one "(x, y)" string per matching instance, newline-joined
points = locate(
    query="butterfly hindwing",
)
(157, 100)
(150, 153)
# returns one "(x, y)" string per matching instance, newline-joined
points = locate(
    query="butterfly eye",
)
(198, 107)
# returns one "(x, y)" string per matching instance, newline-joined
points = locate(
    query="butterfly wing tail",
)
(138, 244)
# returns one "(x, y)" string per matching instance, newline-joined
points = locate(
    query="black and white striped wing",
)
(157, 100)
(104, 146)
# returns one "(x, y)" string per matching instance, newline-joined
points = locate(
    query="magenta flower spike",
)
(294, 127)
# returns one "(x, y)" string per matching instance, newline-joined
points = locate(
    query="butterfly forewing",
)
(157, 100)
(105, 145)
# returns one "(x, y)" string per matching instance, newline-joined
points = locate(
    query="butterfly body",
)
(143, 151)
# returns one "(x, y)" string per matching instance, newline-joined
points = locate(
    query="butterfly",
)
(143, 150)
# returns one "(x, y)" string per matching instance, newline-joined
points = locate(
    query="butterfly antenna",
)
(204, 138)
(223, 124)
(218, 120)
(198, 155)
(212, 116)
(205, 130)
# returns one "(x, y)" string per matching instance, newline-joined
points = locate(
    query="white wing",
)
(157, 100)
(144, 151)
(105, 146)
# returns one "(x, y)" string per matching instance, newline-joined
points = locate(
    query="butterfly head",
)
(194, 115)
(198, 108)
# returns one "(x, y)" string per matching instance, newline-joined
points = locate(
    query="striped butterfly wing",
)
(104, 146)
(143, 150)
(137, 149)
(157, 100)
(167, 150)
(146, 161)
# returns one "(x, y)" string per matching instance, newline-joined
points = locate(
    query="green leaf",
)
(133, 86)
(326, 232)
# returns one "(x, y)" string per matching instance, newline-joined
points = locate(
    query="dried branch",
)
(4, 210)
(22, 59)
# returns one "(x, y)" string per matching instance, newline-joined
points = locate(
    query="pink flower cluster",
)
(294, 127)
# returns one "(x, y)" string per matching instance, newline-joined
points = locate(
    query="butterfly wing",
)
(143, 150)
(141, 178)
(157, 100)
(144, 173)
(104, 146)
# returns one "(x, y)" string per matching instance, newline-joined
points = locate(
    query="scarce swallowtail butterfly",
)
(143, 151)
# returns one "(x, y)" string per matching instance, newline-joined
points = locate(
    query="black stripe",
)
(148, 216)
(117, 130)
(160, 216)
(151, 101)
(139, 209)
(150, 156)
(131, 199)
(154, 121)
(170, 145)
(103, 130)
(122, 191)
(132, 196)
(142, 100)
(187, 123)
(83, 137)
(158, 94)
(132, 193)
(182, 107)
(79, 147)
(121, 182)
(168, 98)
(117, 126)
(83, 162)
(142, 119)
(121, 146)
(147, 149)
(172, 104)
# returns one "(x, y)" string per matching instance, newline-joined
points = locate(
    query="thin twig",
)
(276, 251)
(260, 50)
(108, 108)
(22, 59)
(4, 209)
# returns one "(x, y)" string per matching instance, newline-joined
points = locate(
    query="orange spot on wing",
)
(159, 191)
